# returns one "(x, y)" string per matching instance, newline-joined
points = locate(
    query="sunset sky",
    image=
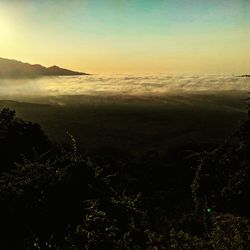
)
(136, 36)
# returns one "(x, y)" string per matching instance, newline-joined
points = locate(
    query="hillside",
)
(54, 197)
(16, 69)
(244, 76)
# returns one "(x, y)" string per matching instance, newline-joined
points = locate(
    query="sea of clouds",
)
(129, 85)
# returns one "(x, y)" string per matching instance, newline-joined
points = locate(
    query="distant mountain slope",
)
(15, 69)
(244, 76)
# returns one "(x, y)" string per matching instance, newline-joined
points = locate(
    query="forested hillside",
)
(52, 197)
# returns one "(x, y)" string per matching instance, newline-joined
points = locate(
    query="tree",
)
(19, 139)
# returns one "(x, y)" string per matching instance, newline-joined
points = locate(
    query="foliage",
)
(182, 240)
(230, 232)
(19, 138)
(53, 198)
(222, 180)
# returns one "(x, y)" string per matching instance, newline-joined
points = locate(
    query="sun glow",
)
(2, 26)
(8, 39)
(5, 27)
(139, 37)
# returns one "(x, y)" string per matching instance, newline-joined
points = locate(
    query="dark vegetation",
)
(62, 196)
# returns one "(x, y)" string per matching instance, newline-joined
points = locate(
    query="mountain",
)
(244, 76)
(16, 69)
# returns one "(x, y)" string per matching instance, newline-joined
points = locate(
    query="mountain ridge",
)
(11, 68)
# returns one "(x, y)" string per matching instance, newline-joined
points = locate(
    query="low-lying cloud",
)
(154, 85)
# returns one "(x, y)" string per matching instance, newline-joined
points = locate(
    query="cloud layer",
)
(149, 85)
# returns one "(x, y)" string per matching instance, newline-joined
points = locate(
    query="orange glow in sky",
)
(132, 36)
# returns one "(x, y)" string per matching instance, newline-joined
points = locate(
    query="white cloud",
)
(155, 85)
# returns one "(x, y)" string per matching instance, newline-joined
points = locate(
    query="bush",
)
(222, 180)
(19, 138)
(53, 198)
(230, 232)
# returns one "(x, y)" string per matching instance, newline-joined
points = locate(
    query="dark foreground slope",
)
(134, 126)
(53, 198)
(15, 69)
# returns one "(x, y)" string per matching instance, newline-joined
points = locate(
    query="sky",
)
(129, 36)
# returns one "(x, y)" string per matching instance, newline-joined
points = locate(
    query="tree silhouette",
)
(19, 139)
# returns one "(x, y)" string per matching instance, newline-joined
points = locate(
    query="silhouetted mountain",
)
(15, 69)
(244, 76)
